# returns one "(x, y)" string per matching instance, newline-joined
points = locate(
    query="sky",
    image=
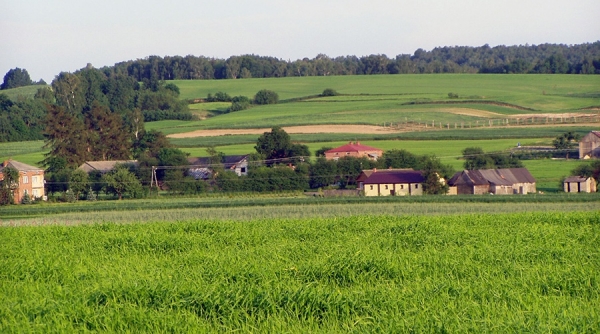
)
(48, 37)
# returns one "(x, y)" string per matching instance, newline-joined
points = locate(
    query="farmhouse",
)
(355, 149)
(502, 181)
(589, 146)
(394, 183)
(31, 180)
(368, 172)
(579, 184)
(104, 166)
(200, 167)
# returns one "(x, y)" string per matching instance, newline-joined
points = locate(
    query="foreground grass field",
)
(362, 273)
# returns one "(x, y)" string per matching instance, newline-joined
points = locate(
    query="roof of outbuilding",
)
(19, 166)
(228, 160)
(353, 147)
(104, 166)
(576, 179)
(398, 176)
(501, 176)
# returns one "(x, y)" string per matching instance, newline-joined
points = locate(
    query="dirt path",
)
(370, 129)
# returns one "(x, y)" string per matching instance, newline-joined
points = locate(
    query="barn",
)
(589, 146)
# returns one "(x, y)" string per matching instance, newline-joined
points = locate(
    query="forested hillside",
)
(545, 58)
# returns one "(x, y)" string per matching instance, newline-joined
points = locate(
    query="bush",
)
(240, 103)
(219, 97)
(329, 92)
(266, 97)
(159, 115)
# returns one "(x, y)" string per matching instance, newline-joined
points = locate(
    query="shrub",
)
(329, 92)
(266, 97)
(239, 103)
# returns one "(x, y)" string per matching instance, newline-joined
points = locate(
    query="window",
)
(401, 186)
(36, 192)
(386, 186)
(416, 186)
(243, 169)
(371, 187)
(25, 179)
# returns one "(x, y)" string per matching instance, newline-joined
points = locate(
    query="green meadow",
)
(385, 99)
(365, 273)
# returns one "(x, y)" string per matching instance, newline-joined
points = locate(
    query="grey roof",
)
(19, 166)
(104, 166)
(228, 161)
(576, 179)
(398, 176)
(501, 177)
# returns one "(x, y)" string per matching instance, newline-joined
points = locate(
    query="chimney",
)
(5, 163)
(357, 142)
(374, 170)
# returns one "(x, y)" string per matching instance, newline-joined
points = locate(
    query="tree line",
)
(543, 58)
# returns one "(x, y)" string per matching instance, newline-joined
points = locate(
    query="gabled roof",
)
(500, 177)
(468, 177)
(104, 166)
(397, 176)
(353, 147)
(19, 166)
(577, 179)
(228, 161)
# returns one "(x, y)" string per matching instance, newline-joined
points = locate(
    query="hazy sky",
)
(49, 36)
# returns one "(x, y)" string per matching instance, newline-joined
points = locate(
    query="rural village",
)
(444, 191)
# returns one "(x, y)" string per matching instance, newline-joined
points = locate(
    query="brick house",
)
(355, 149)
(394, 183)
(589, 146)
(31, 180)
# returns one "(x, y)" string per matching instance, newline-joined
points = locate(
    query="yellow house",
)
(397, 183)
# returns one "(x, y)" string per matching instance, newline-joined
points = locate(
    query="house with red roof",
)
(31, 180)
(355, 149)
(400, 182)
(589, 146)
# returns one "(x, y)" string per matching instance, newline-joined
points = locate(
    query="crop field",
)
(368, 273)
(401, 100)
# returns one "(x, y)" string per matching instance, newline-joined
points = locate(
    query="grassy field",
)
(379, 100)
(26, 92)
(448, 273)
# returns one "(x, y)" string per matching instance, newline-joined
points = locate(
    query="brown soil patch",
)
(371, 129)
(472, 112)
(551, 115)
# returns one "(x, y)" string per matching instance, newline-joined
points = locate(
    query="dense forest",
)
(136, 90)
(545, 58)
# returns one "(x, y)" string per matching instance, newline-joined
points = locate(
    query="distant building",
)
(31, 180)
(353, 150)
(502, 181)
(579, 184)
(368, 172)
(394, 183)
(105, 166)
(589, 146)
(201, 168)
